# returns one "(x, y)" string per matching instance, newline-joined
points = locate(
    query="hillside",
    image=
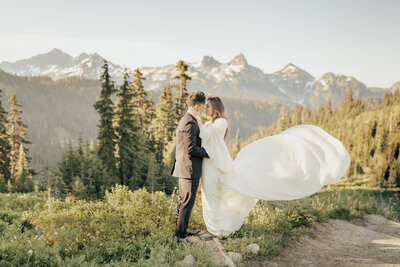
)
(58, 111)
(369, 131)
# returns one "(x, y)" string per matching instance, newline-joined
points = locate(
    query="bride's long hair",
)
(219, 108)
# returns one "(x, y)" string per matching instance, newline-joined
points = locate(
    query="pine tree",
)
(23, 179)
(106, 134)
(150, 116)
(78, 188)
(69, 166)
(297, 115)
(139, 100)
(55, 185)
(348, 100)
(181, 90)
(5, 148)
(163, 124)
(16, 132)
(128, 143)
(306, 115)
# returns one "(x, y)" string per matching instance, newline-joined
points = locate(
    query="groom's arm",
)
(189, 135)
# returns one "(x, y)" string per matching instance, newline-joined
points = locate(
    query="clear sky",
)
(360, 38)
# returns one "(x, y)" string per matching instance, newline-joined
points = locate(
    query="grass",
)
(136, 228)
(272, 223)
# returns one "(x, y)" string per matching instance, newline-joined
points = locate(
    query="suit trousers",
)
(186, 198)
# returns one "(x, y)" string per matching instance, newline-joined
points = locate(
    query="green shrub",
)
(137, 228)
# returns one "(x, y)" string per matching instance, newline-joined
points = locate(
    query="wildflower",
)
(30, 252)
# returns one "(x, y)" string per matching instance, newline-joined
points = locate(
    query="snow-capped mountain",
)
(236, 78)
(294, 82)
(57, 64)
(335, 86)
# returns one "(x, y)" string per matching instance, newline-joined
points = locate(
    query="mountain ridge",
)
(236, 78)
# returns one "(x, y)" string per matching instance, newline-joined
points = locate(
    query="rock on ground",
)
(188, 261)
(254, 248)
(236, 257)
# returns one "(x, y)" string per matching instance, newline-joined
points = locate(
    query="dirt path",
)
(374, 241)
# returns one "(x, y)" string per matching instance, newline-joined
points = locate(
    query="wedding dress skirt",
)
(290, 165)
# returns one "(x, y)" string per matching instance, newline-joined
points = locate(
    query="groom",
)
(188, 162)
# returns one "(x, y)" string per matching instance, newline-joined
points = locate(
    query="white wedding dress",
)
(293, 164)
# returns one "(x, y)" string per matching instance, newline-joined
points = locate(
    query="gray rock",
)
(188, 261)
(254, 248)
(236, 257)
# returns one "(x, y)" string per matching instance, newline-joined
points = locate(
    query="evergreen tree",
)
(96, 179)
(181, 91)
(5, 148)
(23, 179)
(348, 100)
(55, 185)
(78, 188)
(128, 143)
(297, 115)
(106, 134)
(69, 166)
(139, 100)
(16, 132)
(150, 116)
(163, 124)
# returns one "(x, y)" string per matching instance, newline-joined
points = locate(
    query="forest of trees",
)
(135, 140)
(62, 110)
(369, 131)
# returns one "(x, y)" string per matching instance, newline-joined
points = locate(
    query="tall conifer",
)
(128, 142)
(106, 133)
(16, 132)
(23, 179)
(181, 90)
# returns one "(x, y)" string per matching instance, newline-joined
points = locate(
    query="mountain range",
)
(235, 79)
(57, 93)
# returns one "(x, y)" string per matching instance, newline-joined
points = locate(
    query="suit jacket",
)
(189, 154)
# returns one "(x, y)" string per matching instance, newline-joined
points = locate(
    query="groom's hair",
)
(194, 98)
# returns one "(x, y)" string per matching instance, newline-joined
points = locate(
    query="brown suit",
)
(187, 166)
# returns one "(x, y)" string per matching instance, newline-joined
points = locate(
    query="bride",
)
(293, 164)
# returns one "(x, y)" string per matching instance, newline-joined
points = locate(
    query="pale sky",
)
(360, 38)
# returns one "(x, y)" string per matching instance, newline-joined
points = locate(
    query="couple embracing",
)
(290, 165)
